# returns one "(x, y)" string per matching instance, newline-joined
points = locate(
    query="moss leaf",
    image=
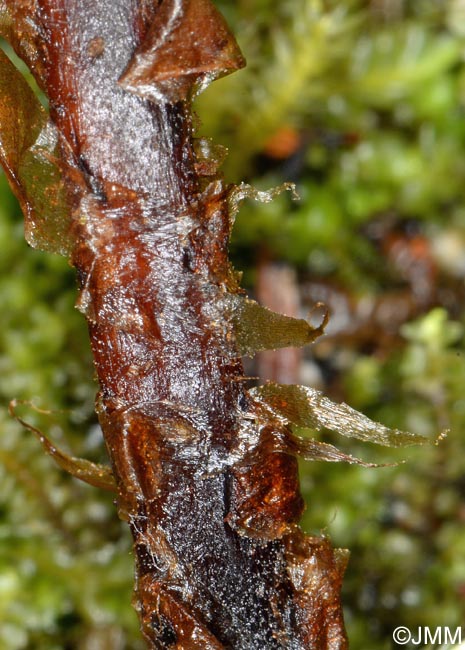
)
(28, 153)
(95, 474)
(169, 62)
(307, 407)
(258, 328)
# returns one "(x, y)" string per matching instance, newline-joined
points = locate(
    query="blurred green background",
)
(362, 105)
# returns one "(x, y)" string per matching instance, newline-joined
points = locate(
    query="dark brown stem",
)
(206, 483)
